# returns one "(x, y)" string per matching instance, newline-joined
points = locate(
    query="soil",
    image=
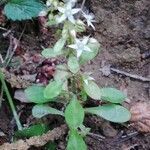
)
(123, 29)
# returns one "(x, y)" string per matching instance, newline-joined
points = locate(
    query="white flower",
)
(67, 13)
(48, 3)
(42, 13)
(80, 46)
(72, 2)
(89, 19)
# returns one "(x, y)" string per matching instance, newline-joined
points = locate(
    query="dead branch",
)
(36, 141)
(106, 70)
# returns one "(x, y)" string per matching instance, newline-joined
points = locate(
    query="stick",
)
(106, 70)
(96, 135)
(36, 141)
(130, 75)
(14, 49)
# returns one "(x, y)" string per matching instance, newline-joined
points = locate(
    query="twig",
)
(125, 137)
(131, 147)
(1, 95)
(130, 75)
(14, 48)
(36, 141)
(1, 59)
(9, 48)
(96, 135)
(130, 135)
(106, 70)
(3, 29)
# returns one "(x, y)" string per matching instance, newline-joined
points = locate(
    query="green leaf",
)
(76, 141)
(23, 9)
(53, 89)
(87, 56)
(112, 95)
(56, 51)
(50, 146)
(49, 53)
(39, 111)
(73, 64)
(74, 114)
(59, 45)
(34, 130)
(79, 26)
(111, 112)
(61, 73)
(92, 90)
(36, 94)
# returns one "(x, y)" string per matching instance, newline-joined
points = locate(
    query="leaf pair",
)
(107, 94)
(75, 141)
(74, 116)
(111, 112)
(56, 50)
(39, 111)
(34, 130)
(40, 94)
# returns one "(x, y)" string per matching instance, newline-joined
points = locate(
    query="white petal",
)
(43, 13)
(73, 46)
(62, 10)
(73, 33)
(79, 52)
(92, 40)
(91, 24)
(71, 19)
(86, 81)
(61, 19)
(69, 6)
(77, 41)
(85, 40)
(90, 78)
(74, 11)
(48, 4)
(87, 49)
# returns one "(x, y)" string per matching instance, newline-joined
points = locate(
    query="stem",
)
(10, 100)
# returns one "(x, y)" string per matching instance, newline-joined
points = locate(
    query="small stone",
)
(108, 130)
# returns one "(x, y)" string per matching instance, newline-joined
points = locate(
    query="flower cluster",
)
(70, 16)
(68, 12)
(68, 83)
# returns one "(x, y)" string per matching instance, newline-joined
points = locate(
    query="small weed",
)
(70, 84)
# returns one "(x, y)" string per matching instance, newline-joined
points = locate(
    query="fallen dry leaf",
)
(140, 116)
(36, 141)
(21, 96)
(16, 80)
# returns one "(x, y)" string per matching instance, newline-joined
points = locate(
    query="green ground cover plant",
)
(71, 86)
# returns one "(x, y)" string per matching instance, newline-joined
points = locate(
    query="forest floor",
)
(123, 30)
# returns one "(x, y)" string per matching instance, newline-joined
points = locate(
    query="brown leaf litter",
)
(140, 116)
(36, 141)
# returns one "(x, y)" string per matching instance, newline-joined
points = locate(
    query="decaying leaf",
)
(15, 80)
(21, 96)
(140, 116)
